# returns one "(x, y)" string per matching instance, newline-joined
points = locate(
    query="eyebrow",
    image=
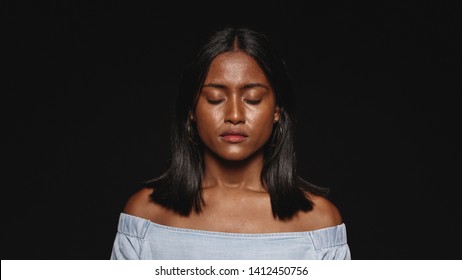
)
(214, 85)
(246, 86)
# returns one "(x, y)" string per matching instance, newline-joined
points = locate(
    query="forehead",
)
(235, 66)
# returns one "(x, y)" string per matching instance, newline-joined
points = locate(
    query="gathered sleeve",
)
(331, 243)
(129, 239)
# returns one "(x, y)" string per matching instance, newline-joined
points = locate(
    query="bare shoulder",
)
(324, 214)
(140, 204)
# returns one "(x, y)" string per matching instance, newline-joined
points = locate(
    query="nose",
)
(234, 111)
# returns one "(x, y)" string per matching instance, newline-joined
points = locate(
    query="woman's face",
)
(236, 107)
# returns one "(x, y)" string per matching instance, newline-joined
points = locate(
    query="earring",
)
(191, 116)
(190, 132)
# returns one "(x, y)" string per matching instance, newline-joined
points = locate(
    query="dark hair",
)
(179, 188)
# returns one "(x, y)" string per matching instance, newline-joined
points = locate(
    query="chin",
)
(238, 155)
(235, 153)
(234, 157)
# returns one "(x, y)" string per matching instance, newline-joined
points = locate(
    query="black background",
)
(89, 97)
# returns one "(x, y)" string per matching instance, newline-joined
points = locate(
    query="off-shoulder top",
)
(139, 238)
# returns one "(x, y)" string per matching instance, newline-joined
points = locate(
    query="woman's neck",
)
(244, 174)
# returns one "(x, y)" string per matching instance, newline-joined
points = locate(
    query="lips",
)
(233, 136)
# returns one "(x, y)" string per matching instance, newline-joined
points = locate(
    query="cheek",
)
(262, 124)
(263, 119)
(207, 120)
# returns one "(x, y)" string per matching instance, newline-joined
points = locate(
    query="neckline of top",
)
(223, 233)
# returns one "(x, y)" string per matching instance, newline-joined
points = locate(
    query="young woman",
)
(231, 191)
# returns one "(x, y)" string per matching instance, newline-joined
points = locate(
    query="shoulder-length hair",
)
(179, 188)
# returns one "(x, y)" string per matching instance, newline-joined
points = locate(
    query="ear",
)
(277, 114)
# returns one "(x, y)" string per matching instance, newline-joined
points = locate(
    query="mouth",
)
(233, 136)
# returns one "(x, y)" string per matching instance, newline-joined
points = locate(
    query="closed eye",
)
(213, 101)
(252, 101)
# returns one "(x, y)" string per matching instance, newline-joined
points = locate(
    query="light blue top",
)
(138, 238)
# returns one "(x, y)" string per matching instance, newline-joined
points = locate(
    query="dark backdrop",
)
(89, 94)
